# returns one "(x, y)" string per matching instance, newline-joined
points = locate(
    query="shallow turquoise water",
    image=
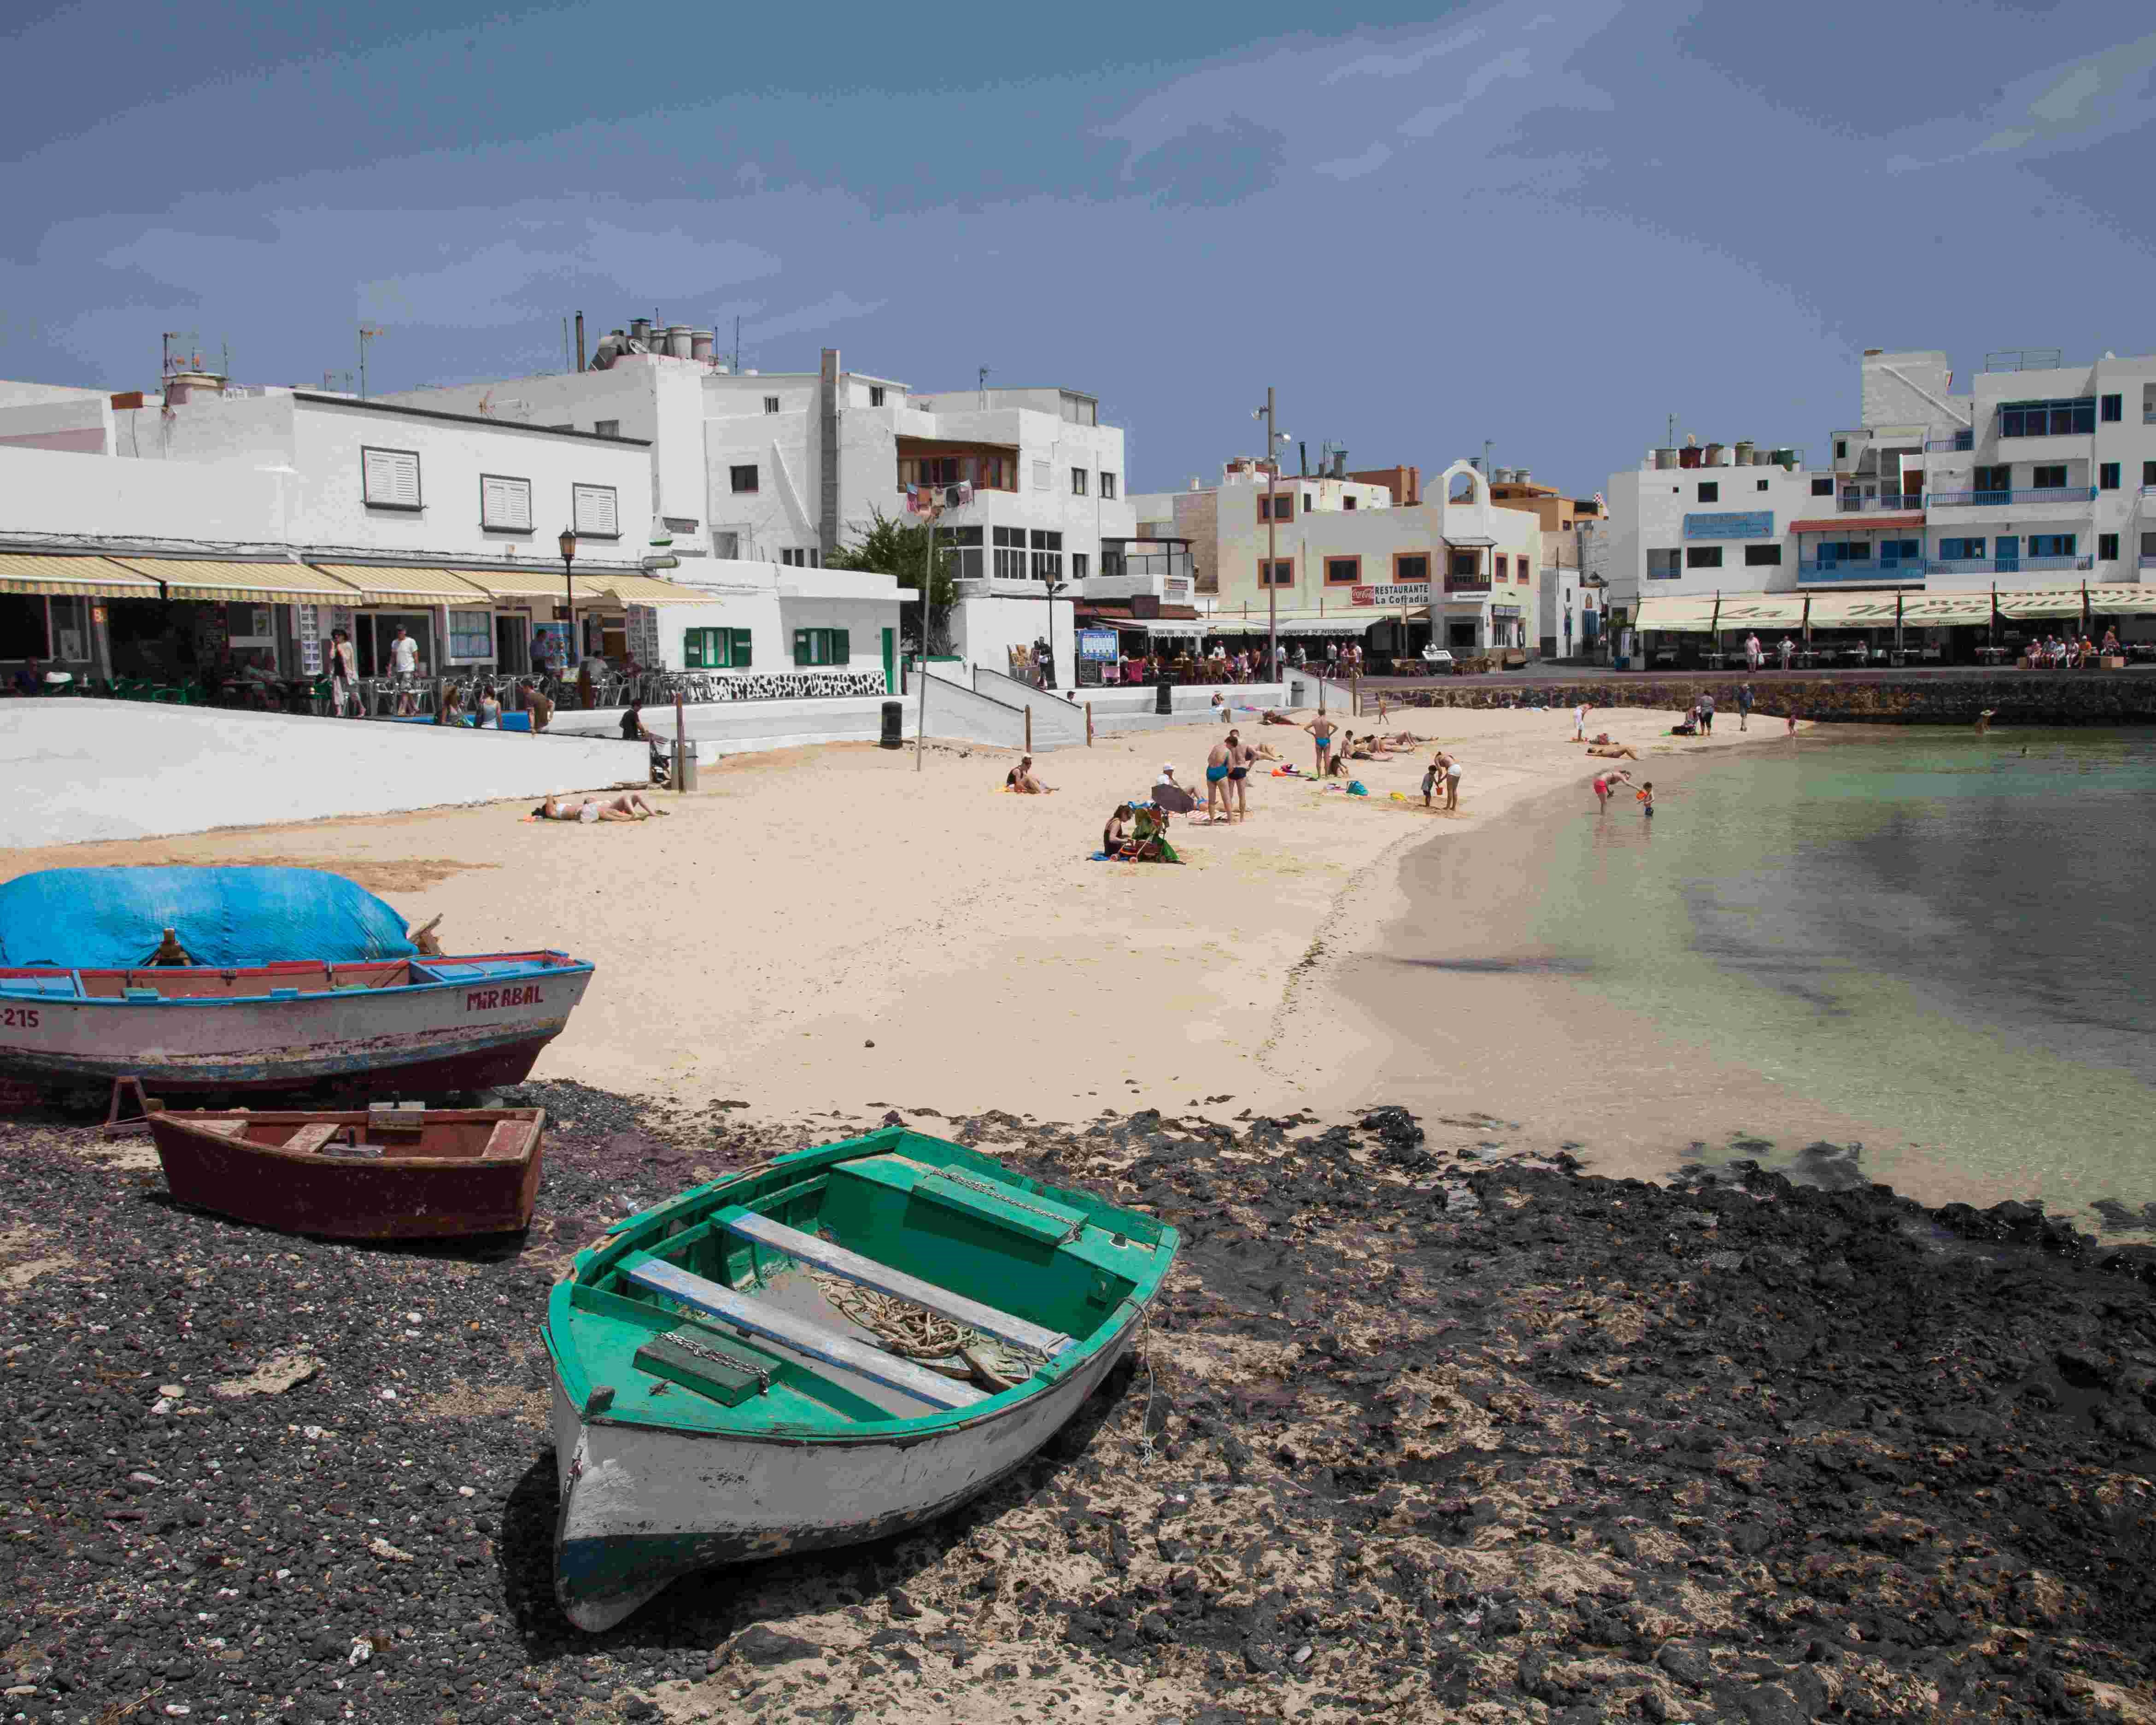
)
(1952, 935)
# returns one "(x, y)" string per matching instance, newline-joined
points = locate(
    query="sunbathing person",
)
(1020, 779)
(629, 805)
(1613, 750)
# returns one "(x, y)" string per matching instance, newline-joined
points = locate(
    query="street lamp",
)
(568, 544)
(1274, 438)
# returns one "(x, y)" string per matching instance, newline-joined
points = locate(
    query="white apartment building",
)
(1343, 559)
(2034, 479)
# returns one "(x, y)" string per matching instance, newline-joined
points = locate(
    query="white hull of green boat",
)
(642, 1506)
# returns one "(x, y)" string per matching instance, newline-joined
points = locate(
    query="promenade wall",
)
(2017, 697)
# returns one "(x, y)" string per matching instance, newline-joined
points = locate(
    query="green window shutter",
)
(692, 648)
(841, 649)
(803, 647)
(743, 649)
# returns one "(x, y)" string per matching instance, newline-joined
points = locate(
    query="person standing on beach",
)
(1240, 755)
(1579, 722)
(1321, 730)
(1219, 798)
(1793, 722)
(1744, 704)
(1431, 776)
(1449, 765)
(1706, 716)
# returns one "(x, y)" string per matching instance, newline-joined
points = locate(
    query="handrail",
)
(2050, 494)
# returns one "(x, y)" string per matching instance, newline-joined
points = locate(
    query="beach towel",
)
(1355, 788)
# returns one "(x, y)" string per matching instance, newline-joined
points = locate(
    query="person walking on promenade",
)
(1744, 705)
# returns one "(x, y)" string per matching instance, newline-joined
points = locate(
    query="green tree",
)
(895, 546)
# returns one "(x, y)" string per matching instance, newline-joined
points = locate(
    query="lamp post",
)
(568, 544)
(1274, 438)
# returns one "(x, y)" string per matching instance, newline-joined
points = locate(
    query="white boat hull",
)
(642, 1507)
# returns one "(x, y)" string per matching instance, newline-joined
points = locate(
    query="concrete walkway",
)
(79, 770)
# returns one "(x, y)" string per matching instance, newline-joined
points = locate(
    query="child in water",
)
(1646, 796)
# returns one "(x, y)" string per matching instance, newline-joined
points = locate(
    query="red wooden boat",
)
(374, 1173)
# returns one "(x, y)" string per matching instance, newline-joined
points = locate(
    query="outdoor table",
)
(1992, 655)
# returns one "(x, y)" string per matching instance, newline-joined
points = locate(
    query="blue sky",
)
(1546, 223)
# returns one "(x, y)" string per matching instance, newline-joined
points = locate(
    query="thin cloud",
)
(2063, 108)
(1354, 167)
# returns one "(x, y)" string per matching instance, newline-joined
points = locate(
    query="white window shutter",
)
(1041, 479)
(595, 509)
(391, 476)
(506, 503)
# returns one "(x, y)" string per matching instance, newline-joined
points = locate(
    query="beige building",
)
(1569, 609)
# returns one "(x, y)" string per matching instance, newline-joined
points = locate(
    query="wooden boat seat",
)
(310, 1137)
(866, 1272)
(222, 1128)
(804, 1335)
(507, 1139)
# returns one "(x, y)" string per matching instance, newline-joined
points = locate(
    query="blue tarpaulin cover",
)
(112, 919)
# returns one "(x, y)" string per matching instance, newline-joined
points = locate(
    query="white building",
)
(2036, 478)
(150, 536)
(789, 468)
(1332, 555)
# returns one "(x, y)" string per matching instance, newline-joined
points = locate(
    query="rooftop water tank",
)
(677, 340)
(699, 344)
(1665, 456)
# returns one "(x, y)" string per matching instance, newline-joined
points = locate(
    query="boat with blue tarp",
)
(257, 979)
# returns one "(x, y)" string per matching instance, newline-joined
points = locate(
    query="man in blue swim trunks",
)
(1217, 794)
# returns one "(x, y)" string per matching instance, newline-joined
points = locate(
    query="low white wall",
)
(953, 710)
(737, 727)
(80, 770)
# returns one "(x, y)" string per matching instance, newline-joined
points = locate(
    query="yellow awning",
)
(72, 578)
(533, 583)
(645, 590)
(390, 587)
(256, 583)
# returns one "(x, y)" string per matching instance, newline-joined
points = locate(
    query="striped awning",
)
(396, 585)
(534, 583)
(645, 590)
(72, 578)
(255, 583)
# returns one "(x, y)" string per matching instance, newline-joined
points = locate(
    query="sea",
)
(1951, 935)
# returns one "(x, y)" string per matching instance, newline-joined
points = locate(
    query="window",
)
(2052, 545)
(1703, 556)
(594, 510)
(964, 553)
(1663, 565)
(1347, 502)
(1822, 488)
(2047, 418)
(1759, 484)
(1343, 571)
(821, 646)
(2051, 478)
(2106, 476)
(1080, 562)
(875, 395)
(744, 479)
(1047, 555)
(2149, 545)
(1011, 553)
(2148, 473)
(1958, 550)
(1278, 574)
(390, 478)
(725, 544)
(1077, 482)
(1895, 552)
(505, 504)
(2106, 547)
(1759, 556)
(1846, 551)
(1107, 482)
(930, 470)
(1279, 508)
(802, 557)
(1041, 472)
(1998, 480)
(1466, 565)
(606, 428)
(1504, 565)
(2114, 409)
(771, 404)
(1410, 569)
(1709, 491)
(471, 633)
(715, 649)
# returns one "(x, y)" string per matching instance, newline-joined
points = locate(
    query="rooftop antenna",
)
(367, 332)
(165, 359)
(737, 344)
(1670, 436)
(1487, 445)
(984, 385)
(225, 360)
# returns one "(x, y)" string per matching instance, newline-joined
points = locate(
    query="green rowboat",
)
(830, 1347)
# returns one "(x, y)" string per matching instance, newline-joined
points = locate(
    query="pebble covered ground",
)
(1421, 1431)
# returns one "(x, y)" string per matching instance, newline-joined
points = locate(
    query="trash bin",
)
(894, 725)
(685, 769)
(1163, 697)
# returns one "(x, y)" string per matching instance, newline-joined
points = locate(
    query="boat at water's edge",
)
(659, 1480)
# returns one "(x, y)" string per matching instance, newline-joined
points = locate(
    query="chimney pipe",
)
(580, 340)
(1302, 460)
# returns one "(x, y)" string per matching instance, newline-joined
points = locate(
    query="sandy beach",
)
(829, 930)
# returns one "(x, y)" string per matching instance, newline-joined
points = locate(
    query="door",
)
(891, 661)
(379, 629)
(512, 648)
(2009, 546)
